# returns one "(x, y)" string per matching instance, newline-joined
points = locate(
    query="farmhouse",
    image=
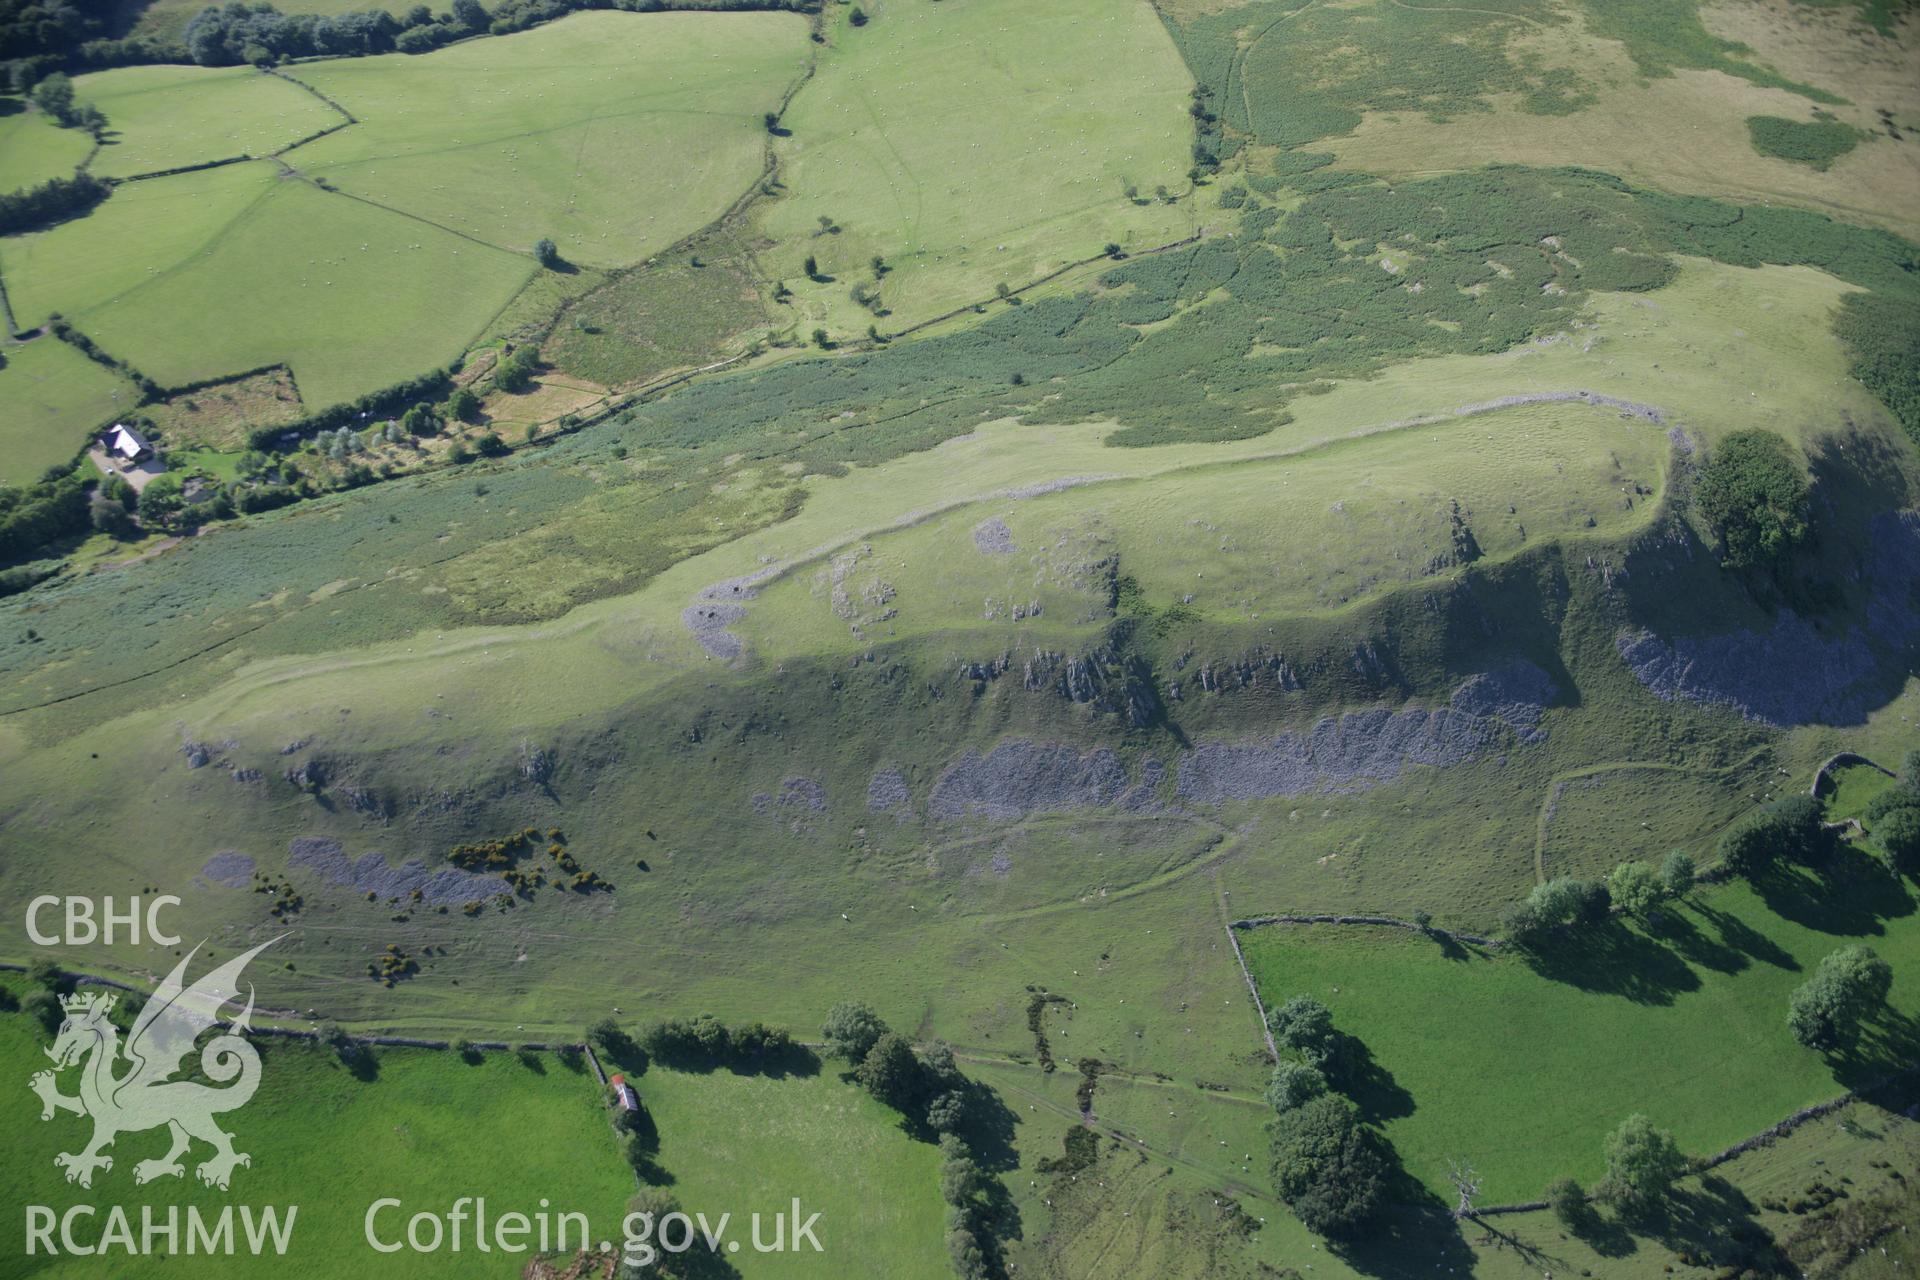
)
(124, 445)
(624, 1091)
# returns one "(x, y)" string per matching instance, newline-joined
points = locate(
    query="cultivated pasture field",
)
(83, 266)
(1861, 1151)
(751, 1144)
(920, 138)
(352, 297)
(50, 395)
(34, 149)
(613, 134)
(164, 117)
(376, 299)
(425, 1127)
(1522, 1067)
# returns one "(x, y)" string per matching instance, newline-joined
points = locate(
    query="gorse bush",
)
(1883, 334)
(1814, 143)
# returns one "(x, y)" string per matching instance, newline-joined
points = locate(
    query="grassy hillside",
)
(1327, 544)
(612, 134)
(918, 139)
(1412, 90)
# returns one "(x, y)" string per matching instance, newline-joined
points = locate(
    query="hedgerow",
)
(261, 34)
(53, 201)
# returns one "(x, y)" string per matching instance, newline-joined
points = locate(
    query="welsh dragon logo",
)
(143, 1095)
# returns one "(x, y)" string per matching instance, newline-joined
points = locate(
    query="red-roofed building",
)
(624, 1091)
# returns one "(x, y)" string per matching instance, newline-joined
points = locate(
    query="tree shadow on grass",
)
(1413, 1241)
(1850, 894)
(989, 1129)
(360, 1061)
(1611, 959)
(1691, 944)
(1451, 948)
(1371, 1086)
(1606, 1235)
(1740, 935)
(1888, 1047)
(1503, 1233)
(1416, 1237)
(1714, 1225)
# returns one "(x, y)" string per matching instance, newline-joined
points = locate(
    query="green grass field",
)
(352, 297)
(33, 149)
(377, 299)
(164, 117)
(1522, 1068)
(50, 397)
(752, 1144)
(244, 266)
(427, 1128)
(919, 138)
(85, 266)
(1854, 788)
(613, 134)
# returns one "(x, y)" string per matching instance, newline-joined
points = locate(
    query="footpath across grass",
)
(1522, 1065)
